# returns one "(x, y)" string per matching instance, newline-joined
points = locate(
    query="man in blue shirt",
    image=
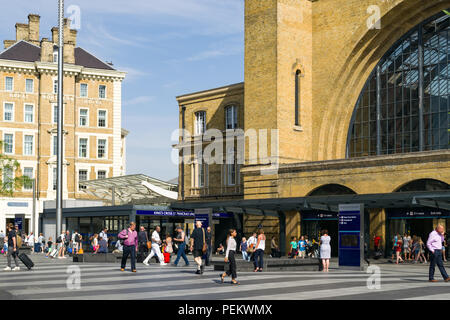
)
(302, 247)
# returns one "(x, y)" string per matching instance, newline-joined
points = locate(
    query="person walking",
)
(130, 242)
(259, 251)
(209, 243)
(325, 250)
(244, 247)
(198, 246)
(434, 244)
(252, 240)
(180, 240)
(275, 250)
(302, 247)
(94, 243)
(407, 247)
(13, 249)
(142, 243)
(293, 251)
(229, 257)
(41, 241)
(156, 241)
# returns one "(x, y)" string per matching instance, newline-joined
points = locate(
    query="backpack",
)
(19, 241)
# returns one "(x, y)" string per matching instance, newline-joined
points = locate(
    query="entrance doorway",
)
(419, 227)
(313, 229)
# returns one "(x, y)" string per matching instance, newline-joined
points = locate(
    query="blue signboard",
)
(204, 218)
(351, 233)
(19, 222)
(416, 213)
(179, 214)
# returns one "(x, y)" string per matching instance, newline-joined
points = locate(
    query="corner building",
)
(359, 93)
(94, 141)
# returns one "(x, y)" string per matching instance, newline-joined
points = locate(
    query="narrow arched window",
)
(297, 97)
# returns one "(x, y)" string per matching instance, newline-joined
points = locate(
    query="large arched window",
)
(404, 106)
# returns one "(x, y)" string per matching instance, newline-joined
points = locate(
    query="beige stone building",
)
(94, 141)
(358, 93)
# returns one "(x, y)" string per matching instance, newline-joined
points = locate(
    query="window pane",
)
(28, 145)
(28, 113)
(82, 176)
(8, 143)
(102, 118)
(102, 92)
(101, 148)
(83, 148)
(8, 112)
(83, 90)
(9, 83)
(83, 117)
(28, 172)
(101, 174)
(29, 85)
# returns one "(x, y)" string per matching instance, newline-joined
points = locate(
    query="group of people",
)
(413, 249)
(303, 248)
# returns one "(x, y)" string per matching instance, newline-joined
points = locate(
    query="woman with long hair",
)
(95, 245)
(259, 251)
(325, 250)
(229, 257)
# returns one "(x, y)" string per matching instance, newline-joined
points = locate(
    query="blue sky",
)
(168, 48)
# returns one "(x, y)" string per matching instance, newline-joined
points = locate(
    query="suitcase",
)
(26, 261)
(54, 253)
(37, 247)
(166, 257)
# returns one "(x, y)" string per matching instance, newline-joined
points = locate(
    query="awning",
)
(132, 189)
(432, 199)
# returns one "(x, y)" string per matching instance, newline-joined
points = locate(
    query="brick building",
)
(358, 91)
(94, 141)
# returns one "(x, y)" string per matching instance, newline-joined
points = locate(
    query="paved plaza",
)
(48, 280)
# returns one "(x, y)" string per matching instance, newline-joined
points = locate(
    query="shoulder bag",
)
(205, 246)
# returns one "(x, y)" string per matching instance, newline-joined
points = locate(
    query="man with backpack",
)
(129, 237)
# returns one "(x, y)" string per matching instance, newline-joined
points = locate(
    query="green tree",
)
(11, 177)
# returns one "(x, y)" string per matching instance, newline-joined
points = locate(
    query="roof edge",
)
(210, 92)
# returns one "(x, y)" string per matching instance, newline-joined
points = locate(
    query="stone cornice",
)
(366, 162)
(52, 68)
(210, 93)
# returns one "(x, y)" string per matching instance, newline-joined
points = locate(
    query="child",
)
(302, 247)
(294, 245)
(5, 246)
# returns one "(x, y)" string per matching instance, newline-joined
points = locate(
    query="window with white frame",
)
(199, 172)
(28, 145)
(83, 145)
(102, 91)
(101, 148)
(83, 90)
(55, 114)
(29, 112)
(55, 86)
(101, 174)
(82, 176)
(55, 145)
(200, 122)
(9, 83)
(8, 178)
(8, 112)
(29, 85)
(102, 118)
(28, 172)
(55, 176)
(231, 119)
(8, 143)
(83, 117)
(231, 167)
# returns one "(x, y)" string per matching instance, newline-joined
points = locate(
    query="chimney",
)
(33, 25)
(22, 32)
(8, 43)
(46, 50)
(55, 35)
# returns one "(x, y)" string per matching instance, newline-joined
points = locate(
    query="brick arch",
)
(369, 46)
(440, 181)
(342, 189)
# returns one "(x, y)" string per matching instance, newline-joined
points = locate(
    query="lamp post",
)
(59, 165)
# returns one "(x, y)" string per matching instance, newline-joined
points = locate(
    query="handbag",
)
(149, 244)
(205, 245)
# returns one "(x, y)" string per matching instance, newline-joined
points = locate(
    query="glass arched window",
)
(404, 106)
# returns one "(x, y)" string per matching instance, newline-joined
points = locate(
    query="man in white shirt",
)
(103, 234)
(156, 241)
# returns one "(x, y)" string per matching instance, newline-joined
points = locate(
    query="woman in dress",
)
(229, 257)
(95, 245)
(325, 250)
